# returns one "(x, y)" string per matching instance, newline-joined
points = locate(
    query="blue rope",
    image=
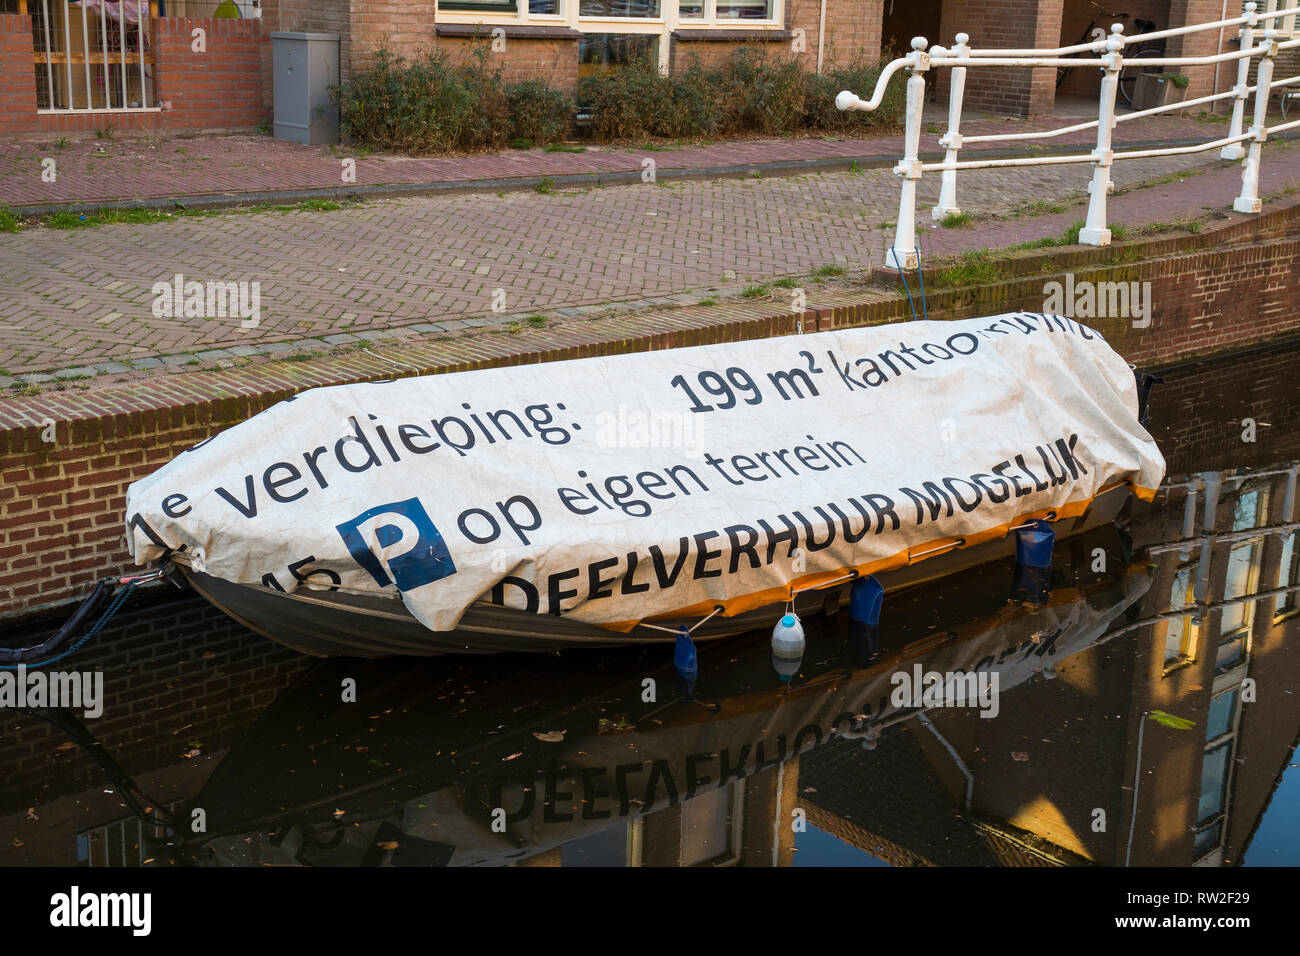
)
(920, 277)
(118, 600)
(905, 288)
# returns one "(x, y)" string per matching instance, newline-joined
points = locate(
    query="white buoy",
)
(787, 646)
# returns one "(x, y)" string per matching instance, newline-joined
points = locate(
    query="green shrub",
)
(630, 103)
(488, 124)
(428, 105)
(758, 94)
(424, 105)
(695, 108)
(538, 113)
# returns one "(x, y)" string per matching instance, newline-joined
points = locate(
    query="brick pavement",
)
(135, 167)
(431, 265)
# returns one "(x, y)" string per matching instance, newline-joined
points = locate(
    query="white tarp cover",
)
(619, 488)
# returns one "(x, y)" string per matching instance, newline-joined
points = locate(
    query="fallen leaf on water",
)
(1019, 755)
(513, 756)
(388, 844)
(66, 745)
(550, 737)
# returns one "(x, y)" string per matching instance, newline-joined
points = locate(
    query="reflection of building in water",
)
(1053, 778)
(1071, 770)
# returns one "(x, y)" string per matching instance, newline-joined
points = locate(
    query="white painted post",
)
(1094, 231)
(951, 140)
(1236, 150)
(903, 254)
(1249, 200)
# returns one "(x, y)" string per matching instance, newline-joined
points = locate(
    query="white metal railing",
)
(1238, 144)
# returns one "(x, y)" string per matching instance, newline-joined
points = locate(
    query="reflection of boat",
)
(566, 752)
(469, 512)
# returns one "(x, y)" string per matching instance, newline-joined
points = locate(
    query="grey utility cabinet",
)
(304, 67)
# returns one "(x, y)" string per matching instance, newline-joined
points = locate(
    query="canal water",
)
(1144, 712)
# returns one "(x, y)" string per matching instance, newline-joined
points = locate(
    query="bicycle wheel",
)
(1129, 74)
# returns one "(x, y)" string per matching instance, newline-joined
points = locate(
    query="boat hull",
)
(337, 624)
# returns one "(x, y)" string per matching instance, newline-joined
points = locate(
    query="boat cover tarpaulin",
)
(621, 488)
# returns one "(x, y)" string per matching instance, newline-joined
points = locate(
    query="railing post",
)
(1249, 200)
(1236, 150)
(1094, 231)
(903, 255)
(951, 141)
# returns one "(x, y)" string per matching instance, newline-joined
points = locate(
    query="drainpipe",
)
(1137, 782)
(956, 759)
(1223, 15)
(821, 37)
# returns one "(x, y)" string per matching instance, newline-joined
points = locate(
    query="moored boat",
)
(617, 499)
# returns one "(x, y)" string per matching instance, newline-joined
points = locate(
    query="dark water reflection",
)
(578, 764)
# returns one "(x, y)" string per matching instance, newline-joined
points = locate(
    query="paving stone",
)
(574, 254)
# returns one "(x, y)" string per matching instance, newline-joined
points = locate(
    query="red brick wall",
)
(313, 16)
(220, 88)
(1206, 43)
(225, 87)
(17, 76)
(402, 26)
(1005, 23)
(553, 62)
(853, 29)
(713, 53)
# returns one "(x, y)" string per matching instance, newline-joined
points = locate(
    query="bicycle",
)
(1128, 75)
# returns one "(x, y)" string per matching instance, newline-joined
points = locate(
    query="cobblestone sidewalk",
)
(135, 167)
(80, 302)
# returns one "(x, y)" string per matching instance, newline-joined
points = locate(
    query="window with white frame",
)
(1241, 579)
(1180, 632)
(1283, 25)
(1216, 773)
(1288, 572)
(589, 15)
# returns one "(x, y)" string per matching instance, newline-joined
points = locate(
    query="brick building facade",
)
(226, 84)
